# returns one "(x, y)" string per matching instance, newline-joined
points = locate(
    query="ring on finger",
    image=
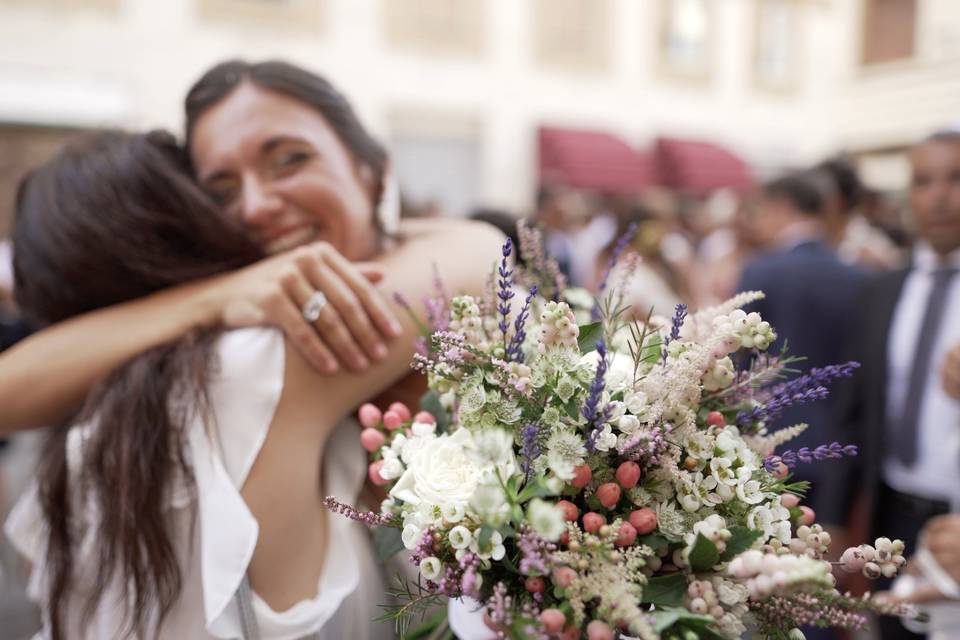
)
(314, 306)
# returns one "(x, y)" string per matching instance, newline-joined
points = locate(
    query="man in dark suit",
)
(897, 407)
(810, 294)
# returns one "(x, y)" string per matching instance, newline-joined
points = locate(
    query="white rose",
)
(430, 568)
(439, 472)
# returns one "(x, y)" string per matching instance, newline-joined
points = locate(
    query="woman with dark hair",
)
(186, 499)
(273, 144)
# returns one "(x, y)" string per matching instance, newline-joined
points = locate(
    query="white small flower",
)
(749, 491)
(628, 423)
(546, 519)
(421, 429)
(452, 512)
(605, 440)
(491, 447)
(616, 410)
(637, 403)
(493, 550)
(488, 500)
(720, 468)
(411, 536)
(459, 537)
(430, 568)
(392, 467)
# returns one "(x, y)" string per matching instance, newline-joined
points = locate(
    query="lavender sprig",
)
(515, 348)
(504, 292)
(531, 450)
(806, 455)
(618, 249)
(591, 408)
(816, 377)
(806, 388)
(679, 315)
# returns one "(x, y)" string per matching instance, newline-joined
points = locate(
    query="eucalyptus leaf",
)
(666, 591)
(486, 532)
(590, 335)
(387, 542)
(741, 539)
(430, 401)
(534, 489)
(704, 554)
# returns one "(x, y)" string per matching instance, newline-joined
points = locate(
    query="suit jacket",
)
(811, 299)
(862, 402)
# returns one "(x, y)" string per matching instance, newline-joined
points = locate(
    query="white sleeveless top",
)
(244, 391)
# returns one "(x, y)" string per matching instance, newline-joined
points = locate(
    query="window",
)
(685, 42)
(889, 30)
(777, 42)
(572, 34)
(435, 26)
(295, 14)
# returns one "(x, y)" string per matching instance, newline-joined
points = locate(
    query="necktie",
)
(905, 433)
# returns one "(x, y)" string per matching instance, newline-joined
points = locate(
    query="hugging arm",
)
(45, 378)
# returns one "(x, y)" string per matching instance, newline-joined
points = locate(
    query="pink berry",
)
(425, 417)
(563, 577)
(581, 476)
(392, 420)
(644, 520)
(535, 584)
(716, 419)
(626, 536)
(852, 560)
(373, 471)
(570, 633)
(807, 517)
(570, 511)
(599, 630)
(609, 494)
(401, 409)
(552, 620)
(369, 415)
(789, 500)
(628, 474)
(372, 439)
(565, 538)
(592, 522)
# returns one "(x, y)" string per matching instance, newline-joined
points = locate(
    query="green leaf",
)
(535, 489)
(387, 542)
(486, 532)
(652, 351)
(704, 554)
(654, 540)
(664, 618)
(666, 591)
(740, 540)
(430, 401)
(590, 335)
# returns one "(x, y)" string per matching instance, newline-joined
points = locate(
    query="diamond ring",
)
(313, 306)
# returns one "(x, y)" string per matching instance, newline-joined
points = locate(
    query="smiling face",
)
(935, 193)
(277, 165)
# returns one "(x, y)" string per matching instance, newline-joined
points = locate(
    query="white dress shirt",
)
(244, 393)
(936, 473)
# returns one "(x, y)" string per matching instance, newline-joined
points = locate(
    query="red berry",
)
(372, 439)
(401, 409)
(570, 511)
(609, 494)
(571, 633)
(369, 415)
(599, 630)
(552, 620)
(644, 520)
(392, 420)
(626, 536)
(565, 538)
(628, 474)
(581, 476)
(592, 522)
(425, 417)
(535, 584)
(716, 419)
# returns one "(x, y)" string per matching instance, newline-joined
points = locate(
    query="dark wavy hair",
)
(294, 82)
(115, 216)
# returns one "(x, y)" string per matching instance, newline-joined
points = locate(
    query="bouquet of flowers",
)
(580, 473)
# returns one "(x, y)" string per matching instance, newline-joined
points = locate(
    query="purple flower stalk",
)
(515, 348)
(806, 455)
(679, 315)
(806, 388)
(592, 411)
(535, 552)
(504, 293)
(368, 518)
(618, 249)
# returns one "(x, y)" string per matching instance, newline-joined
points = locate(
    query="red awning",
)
(699, 166)
(592, 160)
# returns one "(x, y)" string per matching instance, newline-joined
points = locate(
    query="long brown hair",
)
(113, 217)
